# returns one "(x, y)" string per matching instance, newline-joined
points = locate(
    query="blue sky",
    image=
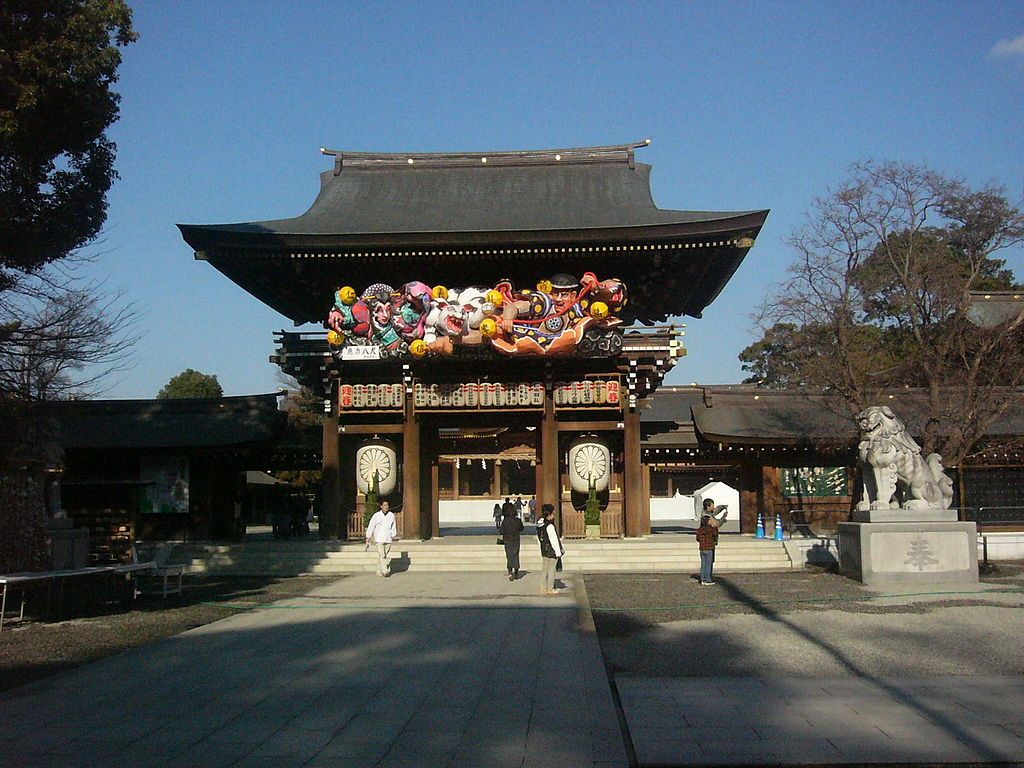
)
(226, 104)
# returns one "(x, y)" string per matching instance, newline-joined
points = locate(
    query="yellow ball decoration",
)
(544, 286)
(335, 339)
(347, 294)
(495, 298)
(439, 292)
(599, 310)
(418, 348)
(489, 327)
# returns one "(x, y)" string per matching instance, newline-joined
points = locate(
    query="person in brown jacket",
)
(707, 540)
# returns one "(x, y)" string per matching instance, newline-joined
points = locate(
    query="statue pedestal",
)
(907, 553)
(897, 515)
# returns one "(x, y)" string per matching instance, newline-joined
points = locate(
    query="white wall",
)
(678, 507)
(468, 511)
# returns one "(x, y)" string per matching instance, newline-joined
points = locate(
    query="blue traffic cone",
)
(780, 534)
(759, 534)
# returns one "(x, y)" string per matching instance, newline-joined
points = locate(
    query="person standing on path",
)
(550, 546)
(531, 505)
(511, 527)
(383, 530)
(707, 540)
(713, 512)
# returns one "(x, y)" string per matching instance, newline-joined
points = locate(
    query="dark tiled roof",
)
(745, 414)
(129, 424)
(995, 308)
(590, 188)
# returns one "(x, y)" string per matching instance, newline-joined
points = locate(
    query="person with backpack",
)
(551, 549)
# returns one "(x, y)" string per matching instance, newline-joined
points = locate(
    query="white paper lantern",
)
(589, 460)
(380, 457)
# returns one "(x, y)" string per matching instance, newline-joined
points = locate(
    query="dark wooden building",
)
(161, 469)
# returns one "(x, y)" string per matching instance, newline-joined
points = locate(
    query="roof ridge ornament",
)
(616, 153)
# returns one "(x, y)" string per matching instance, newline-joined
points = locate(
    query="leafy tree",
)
(58, 62)
(877, 298)
(190, 384)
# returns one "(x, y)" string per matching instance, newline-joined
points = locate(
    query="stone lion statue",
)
(892, 466)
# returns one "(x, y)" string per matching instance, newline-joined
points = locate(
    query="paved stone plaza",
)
(468, 669)
(437, 670)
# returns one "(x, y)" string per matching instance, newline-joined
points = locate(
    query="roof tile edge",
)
(617, 153)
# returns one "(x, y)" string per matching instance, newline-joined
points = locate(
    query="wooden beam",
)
(370, 429)
(589, 426)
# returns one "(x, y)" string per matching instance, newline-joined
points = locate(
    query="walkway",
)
(445, 669)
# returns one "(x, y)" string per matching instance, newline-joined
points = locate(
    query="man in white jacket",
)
(382, 530)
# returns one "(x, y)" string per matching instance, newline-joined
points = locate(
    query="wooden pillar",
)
(751, 496)
(772, 498)
(435, 498)
(645, 507)
(550, 488)
(332, 525)
(632, 481)
(496, 482)
(455, 480)
(349, 491)
(411, 473)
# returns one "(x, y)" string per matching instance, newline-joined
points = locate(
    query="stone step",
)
(741, 553)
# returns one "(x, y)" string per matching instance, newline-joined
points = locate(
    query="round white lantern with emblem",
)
(589, 460)
(380, 457)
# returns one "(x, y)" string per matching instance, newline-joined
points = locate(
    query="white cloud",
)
(1007, 49)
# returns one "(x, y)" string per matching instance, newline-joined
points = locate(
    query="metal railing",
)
(993, 517)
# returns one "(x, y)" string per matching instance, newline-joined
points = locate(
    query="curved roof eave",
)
(261, 235)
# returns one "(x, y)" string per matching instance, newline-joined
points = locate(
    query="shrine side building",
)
(492, 322)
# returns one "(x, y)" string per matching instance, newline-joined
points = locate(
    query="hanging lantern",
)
(589, 460)
(377, 456)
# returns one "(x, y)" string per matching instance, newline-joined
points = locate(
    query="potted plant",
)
(592, 512)
(372, 502)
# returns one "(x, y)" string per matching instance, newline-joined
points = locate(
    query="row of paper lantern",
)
(589, 461)
(587, 392)
(371, 396)
(474, 394)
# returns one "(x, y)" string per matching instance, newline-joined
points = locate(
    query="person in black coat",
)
(511, 527)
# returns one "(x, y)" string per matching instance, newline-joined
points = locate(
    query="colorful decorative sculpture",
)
(562, 316)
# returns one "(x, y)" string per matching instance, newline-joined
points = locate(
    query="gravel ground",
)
(34, 649)
(806, 623)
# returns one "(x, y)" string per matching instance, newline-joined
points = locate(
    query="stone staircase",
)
(473, 553)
